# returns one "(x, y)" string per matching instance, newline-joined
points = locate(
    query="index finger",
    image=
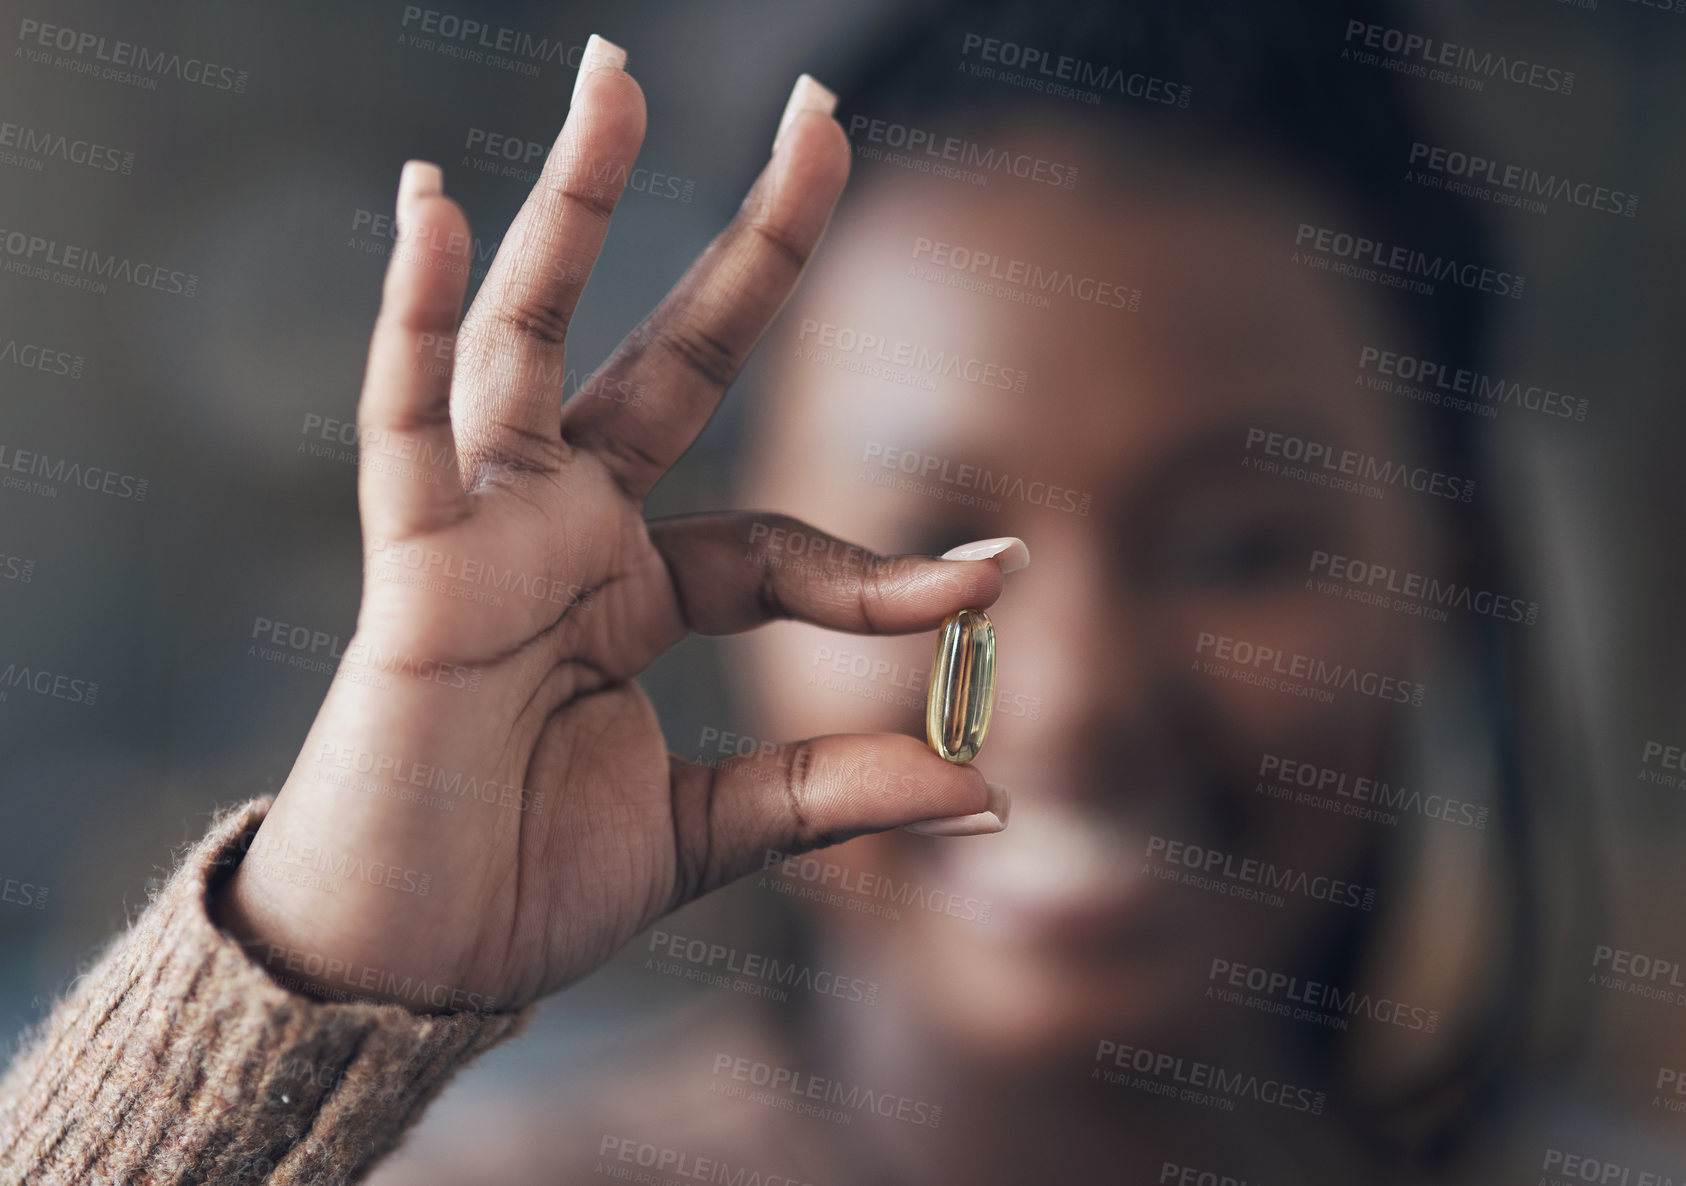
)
(505, 403)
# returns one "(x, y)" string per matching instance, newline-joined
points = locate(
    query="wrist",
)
(298, 961)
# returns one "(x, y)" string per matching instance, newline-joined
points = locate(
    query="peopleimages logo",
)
(1309, 1000)
(1193, 1081)
(675, 1164)
(792, 1090)
(16, 568)
(1437, 383)
(956, 482)
(376, 233)
(471, 40)
(339, 980)
(50, 470)
(717, 964)
(1363, 578)
(336, 865)
(1638, 974)
(395, 771)
(1514, 185)
(1250, 879)
(1323, 464)
(812, 878)
(987, 272)
(1577, 1167)
(1428, 57)
(121, 61)
(1671, 1082)
(1360, 797)
(33, 147)
(920, 145)
(877, 355)
(1397, 266)
(1061, 75)
(55, 685)
(48, 361)
(23, 893)
(37, 256)
(1667, 757)
(1303, 675)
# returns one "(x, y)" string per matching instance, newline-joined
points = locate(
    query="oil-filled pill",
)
(962, 690)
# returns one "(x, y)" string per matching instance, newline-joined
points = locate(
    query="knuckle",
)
(694, 840)
(883, 581)
(519, 452)
(798, 792)
(406, 318)
(790, 251)
(763, 527)
(768, 599)
(541, 449)
(598, 204)
(424, 416)
(533, 317)
(626, 462)
(706, 356)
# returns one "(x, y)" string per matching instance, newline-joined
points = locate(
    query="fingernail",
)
(600, 54)
(807, 95)
(419, 179)
(1009, 551)
(979, 823)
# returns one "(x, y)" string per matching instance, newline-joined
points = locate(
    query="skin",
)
(470, 456)
(1110, 734)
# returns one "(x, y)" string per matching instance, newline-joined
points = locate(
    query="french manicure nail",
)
(1009, 551)
(418, 179)
(600, 54)
(807, 95)
(979, 823)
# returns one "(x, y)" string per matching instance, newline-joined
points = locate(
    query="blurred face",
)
(1131, 721)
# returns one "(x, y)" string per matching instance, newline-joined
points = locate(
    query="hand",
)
(483, 740)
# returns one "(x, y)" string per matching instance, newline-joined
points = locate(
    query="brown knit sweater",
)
(179, 1059)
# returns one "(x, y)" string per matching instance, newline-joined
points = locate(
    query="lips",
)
(1063, 874)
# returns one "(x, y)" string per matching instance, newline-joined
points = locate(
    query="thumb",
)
(809, 794)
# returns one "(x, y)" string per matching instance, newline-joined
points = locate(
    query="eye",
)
(1233, 554)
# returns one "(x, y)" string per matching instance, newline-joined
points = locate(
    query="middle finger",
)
(688, 351)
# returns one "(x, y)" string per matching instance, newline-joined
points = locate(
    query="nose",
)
(1083, 659)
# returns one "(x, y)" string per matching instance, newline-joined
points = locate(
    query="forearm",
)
(178, 1058)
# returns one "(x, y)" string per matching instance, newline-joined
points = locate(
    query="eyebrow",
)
(1219, 448)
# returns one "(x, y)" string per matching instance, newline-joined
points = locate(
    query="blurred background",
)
(233, 405)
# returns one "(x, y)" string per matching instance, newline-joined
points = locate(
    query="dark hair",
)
(1269, 82)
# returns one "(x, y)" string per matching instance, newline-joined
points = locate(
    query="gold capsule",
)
(962, 691)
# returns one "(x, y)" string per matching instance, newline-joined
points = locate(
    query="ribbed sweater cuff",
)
(178, 1059)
